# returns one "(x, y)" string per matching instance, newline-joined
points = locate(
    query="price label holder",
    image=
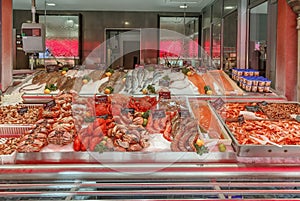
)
(52, 68)
(298, 118)
(23, 110)
(158, 114)
(50, 105)
(184, 113)
(164, 95)
(241, 119)
(164, 83)
(127, 110)
(102, 116)
(218, 103)
(263, 103)
(251, 108)
(101, 99)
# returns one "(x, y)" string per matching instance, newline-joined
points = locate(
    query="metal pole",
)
(298, 59)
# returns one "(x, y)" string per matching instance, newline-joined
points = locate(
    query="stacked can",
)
(250, 81)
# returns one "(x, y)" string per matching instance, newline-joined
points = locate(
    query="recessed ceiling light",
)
(51, 4)
(183, 6)
(229, 7)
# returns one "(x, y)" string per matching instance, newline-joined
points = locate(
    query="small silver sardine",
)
(134, 85)
(128, 83)
(140, 76)
(156, 77)
(147, 82)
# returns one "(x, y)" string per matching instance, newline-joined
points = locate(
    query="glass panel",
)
(230, 41)
(176, 45)
(206, 17)
(206, 40)
(216, 44)
(62, 39)
(229, 5)
(258, 37)
(217, 11)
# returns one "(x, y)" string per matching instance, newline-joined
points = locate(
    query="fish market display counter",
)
(110, 135)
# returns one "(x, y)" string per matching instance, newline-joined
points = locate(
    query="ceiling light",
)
(51, 4)
(183, 6)
(229, 7)
(126, 23)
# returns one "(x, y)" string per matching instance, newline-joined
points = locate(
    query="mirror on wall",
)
(62, 39)
(258, 25)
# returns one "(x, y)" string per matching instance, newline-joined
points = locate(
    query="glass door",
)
(258, 28)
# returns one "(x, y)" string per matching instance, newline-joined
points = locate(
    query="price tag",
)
(218, 103)
(298, 118)
(158, 114)
(50, 105)
(184, 113)
(102, 116)
(164, 83)
(127, 110)
(164, 95)
(263, 103)
(23, 110)
(252, 108)
(101, 99)
(241, 119)
(52, 68)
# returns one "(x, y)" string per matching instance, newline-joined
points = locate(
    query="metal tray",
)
(226, 138)
(253, 150)
(16, 130)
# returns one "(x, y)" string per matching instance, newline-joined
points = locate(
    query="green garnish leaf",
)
(201, 149)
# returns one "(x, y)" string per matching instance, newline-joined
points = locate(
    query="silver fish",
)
(146, 74)
(128, 83)
(156, 73)
(134, 84)
(156, 77)
(134, 73)
(147, 82)
(140, 76)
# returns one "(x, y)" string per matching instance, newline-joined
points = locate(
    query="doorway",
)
(123, 48)
(133, 57)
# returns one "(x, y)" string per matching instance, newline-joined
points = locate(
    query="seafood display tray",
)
(16, 130)
(8, 159)
(13, 130)
(260, 151)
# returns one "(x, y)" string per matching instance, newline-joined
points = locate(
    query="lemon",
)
(47, 91)
(145, 91)
(199, 142)
(84, 81)
(189, 73)
(107, 91)
(209, 92)
(63, 72)
(108, 74)
(222, 147)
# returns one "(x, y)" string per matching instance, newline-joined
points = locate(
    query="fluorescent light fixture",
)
(229, 7)
(51, 4)
(183, 6)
